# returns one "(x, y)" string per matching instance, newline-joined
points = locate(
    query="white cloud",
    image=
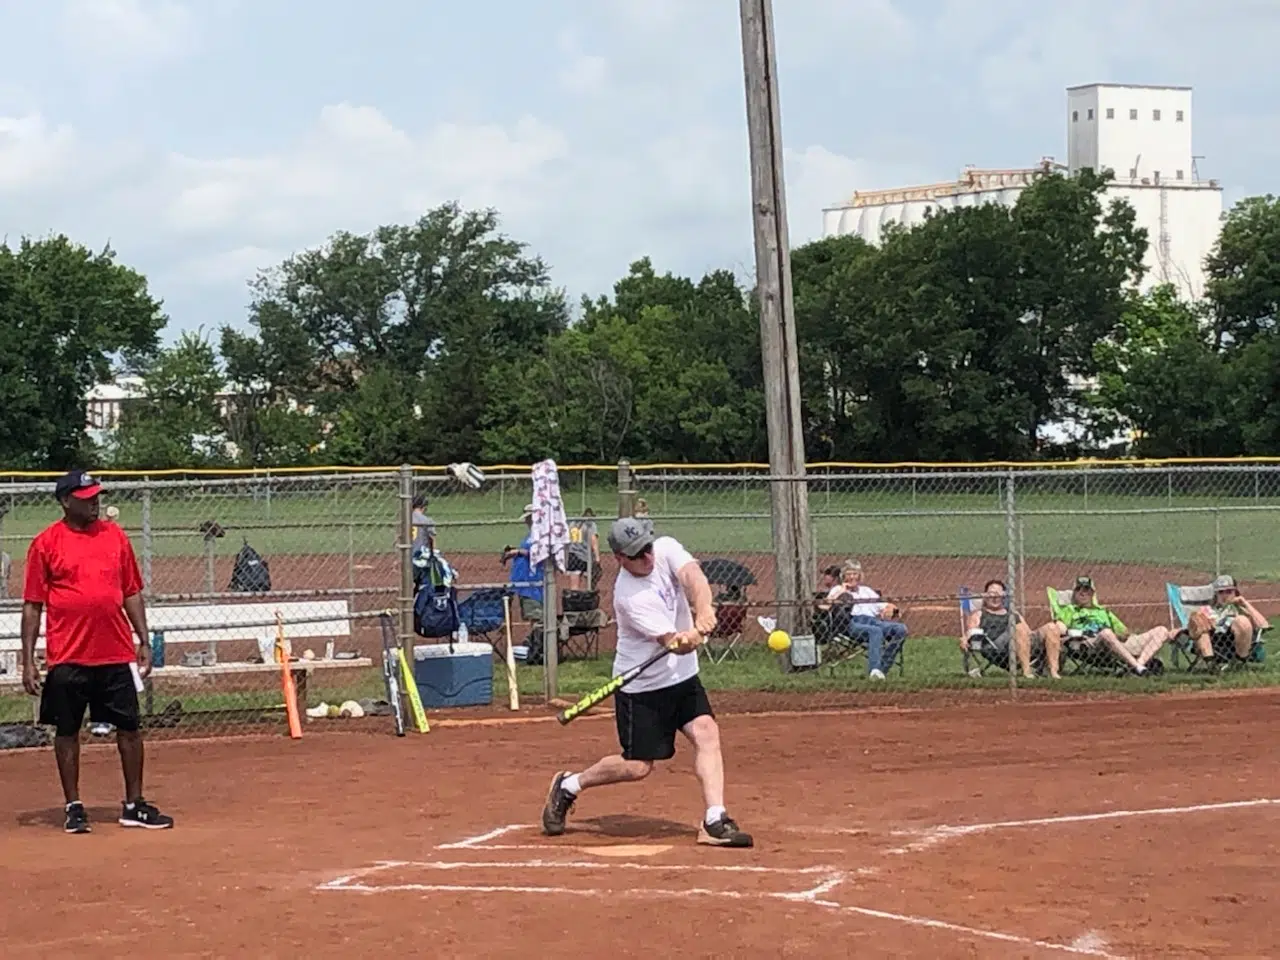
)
(818, 178)
(229, 216)
(129, 34)
(33, 154)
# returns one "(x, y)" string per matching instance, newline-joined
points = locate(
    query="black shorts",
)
(107, 691)
(648, 721)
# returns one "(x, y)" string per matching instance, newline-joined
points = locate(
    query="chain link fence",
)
(925, 538)
(327, 543)
(337, 545)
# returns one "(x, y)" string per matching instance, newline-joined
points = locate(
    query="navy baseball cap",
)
(79, 484)
(630, 536)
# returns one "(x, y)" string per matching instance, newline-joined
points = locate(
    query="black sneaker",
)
(77, 820)
(143, 814)
(723, 833)
(559, 802)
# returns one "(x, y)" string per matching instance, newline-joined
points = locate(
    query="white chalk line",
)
(813, 896)
(926, 922)
(594, 865)
(481, 838)
(933, 836)
(1084, 946)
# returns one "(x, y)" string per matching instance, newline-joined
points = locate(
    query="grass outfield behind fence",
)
(922, 531)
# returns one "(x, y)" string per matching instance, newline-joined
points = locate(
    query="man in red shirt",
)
(82, 574)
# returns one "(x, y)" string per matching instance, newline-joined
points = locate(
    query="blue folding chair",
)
(1184, 599)
(483, 611)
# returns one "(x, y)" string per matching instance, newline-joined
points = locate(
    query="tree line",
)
(966, 337)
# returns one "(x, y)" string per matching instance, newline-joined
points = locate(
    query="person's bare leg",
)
(67, 752)
(614, 770)
(708, 760)
(131, 761)
(1022, 644)
(1118, 648)
(1242, 632)
(1052, 649)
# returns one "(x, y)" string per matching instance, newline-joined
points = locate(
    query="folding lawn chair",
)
(981, 651)
(840, 642)
(483, 612)
(731, 616)
(1079, 656)
(1184, 599)
(580, 625)
(979, 654)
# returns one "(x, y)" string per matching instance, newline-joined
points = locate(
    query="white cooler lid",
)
(428, 651)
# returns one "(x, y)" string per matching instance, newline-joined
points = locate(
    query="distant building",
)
(1141, 133)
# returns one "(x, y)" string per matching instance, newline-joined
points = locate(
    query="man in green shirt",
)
(1100, 628)
(1227, 625)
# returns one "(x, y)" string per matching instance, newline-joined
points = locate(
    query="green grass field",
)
(730, 516)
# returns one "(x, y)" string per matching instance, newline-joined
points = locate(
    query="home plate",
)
(628, 850)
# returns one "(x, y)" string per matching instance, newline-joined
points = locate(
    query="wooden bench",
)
(213, 624)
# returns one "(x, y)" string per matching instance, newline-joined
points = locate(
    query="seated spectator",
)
(830, 578)
(1085, 617)
(1227, 626)
(869, 620)
(997, 625)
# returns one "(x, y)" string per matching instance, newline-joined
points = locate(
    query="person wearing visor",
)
(1226, 627)
(83, 576)
(661, 598)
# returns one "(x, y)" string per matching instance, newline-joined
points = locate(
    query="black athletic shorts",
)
(107, 691)
(648, 722)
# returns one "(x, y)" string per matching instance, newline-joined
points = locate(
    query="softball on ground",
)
(779, 641)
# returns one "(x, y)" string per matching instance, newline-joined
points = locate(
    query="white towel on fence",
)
(550, 532)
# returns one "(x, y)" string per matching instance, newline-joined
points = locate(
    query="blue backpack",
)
(435, 608)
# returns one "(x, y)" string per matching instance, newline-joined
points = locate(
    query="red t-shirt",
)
(82, 578)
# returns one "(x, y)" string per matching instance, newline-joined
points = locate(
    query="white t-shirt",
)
(651, 607)
(861, 592)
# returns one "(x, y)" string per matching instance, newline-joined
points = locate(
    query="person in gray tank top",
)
(1001, 630)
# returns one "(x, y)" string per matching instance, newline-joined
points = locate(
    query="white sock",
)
(714, 814)
(571, 784)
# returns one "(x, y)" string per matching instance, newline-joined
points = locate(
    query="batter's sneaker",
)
(143, 814)
(559, 802)
(77, 820)
(723, 833)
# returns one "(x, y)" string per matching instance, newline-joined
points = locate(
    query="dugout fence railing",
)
(923, 533)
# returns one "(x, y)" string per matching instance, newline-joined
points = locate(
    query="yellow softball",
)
(779, 641)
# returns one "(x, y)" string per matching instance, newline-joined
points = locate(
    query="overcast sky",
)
(210, 138)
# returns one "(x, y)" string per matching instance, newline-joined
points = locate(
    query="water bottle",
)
(157, 648)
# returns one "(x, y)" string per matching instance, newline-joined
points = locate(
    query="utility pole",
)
(790, 496)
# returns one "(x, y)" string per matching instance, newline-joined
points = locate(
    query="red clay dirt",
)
(853, 801)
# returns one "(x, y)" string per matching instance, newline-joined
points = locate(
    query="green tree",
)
(65, 314)
(1078, 262)
(1244, 272)
(1161, 380)
(431, 307)
(178, 422)
(668, 369)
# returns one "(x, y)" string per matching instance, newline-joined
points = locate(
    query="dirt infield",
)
(1109, 829)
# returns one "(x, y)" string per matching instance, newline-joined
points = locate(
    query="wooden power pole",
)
(792, 539)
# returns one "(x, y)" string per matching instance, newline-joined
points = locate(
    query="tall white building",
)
(1141, 133)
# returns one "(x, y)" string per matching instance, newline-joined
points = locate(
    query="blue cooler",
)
(462, 677)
